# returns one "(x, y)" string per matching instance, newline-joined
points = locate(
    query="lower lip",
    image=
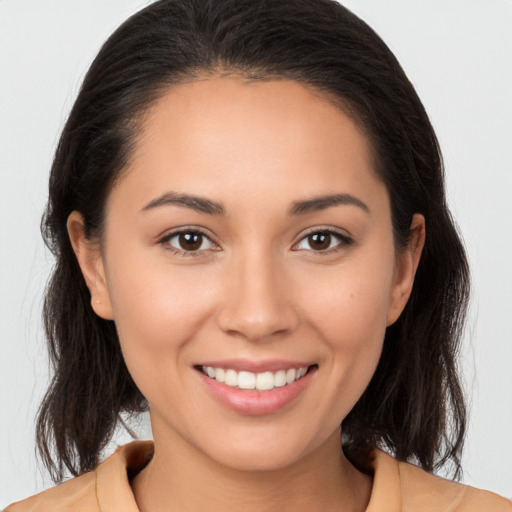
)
(253, 402)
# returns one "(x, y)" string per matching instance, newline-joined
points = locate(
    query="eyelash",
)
(343, 239)
(164, 241)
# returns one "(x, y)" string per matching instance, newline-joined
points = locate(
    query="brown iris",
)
(190, 241)
(319, 241)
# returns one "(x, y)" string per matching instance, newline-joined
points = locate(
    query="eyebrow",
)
(203, 205)
(199, 204)
(323, 202)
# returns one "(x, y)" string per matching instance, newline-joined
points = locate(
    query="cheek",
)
(156, 311)
(351, 303)
(348, 309)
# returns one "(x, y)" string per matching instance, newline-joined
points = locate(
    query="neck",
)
(181, 479)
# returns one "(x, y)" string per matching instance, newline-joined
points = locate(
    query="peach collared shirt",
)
(397, 487)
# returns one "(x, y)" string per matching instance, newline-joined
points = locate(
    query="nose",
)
(257, 303)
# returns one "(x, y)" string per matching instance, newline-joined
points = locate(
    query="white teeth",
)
(280, 379)
(290, 375)
(231, 378)
(264, 381)
(261, 381)
(246, 380)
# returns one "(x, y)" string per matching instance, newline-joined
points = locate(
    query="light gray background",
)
(458, 53)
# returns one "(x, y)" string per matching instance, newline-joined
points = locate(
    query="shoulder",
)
(415, 490)
(107, 488)
(420, 486)
(77, 492)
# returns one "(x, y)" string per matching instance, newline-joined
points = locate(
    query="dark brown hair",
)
(413, 405)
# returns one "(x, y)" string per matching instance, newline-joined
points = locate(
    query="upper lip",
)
(247, 365)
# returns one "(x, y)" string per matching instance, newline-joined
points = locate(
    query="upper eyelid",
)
(167, 235)
(346, 239)
(324, 229)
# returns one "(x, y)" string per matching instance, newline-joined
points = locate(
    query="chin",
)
(257, 461)
(259, 454)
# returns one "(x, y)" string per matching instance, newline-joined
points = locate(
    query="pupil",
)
(190, 241)
(320, 241)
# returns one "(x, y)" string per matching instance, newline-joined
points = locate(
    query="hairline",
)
(135, 124)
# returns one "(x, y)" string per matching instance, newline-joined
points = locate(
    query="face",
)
(248, 263)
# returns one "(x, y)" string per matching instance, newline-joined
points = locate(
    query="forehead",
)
(250, 137)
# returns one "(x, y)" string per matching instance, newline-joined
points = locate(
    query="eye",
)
(189, 241)
(322, 241)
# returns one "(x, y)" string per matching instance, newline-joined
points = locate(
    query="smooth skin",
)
(274, 275)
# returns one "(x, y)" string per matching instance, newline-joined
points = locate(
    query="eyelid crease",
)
(327, 229)
(345, 239)
(187, 228)
(163, 239)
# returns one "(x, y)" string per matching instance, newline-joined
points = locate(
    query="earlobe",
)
(91, 264)
(405, 270)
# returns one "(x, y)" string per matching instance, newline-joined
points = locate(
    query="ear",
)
(91, 264)
(405, 269)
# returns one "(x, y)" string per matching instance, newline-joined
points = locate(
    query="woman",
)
(252, 240)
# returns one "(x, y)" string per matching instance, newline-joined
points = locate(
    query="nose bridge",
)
(257, 303)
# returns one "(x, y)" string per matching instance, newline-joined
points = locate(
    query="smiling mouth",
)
(265, 381)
